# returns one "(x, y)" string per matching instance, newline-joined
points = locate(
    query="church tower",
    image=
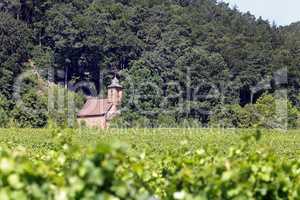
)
(115, 92)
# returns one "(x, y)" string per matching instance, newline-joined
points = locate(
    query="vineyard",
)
(149, 164)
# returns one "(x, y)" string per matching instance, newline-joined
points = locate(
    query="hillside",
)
(177, 59)
(292, 28)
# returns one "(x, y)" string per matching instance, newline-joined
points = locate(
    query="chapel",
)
(98, 112)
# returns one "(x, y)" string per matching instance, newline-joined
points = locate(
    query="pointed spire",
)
(115, 83)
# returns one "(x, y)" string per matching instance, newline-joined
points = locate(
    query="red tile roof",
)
(95, 107)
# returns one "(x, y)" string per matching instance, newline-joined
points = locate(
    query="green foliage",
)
(31, 108)
(96, 176)
(189, 123)
(43, 58)
(267, 112)
(166, 121)
(63, 106)
(249, 169)
(180, 56)
(31, 111)
(234, 116)
(4, 117)
(275, 112)
(14, 50)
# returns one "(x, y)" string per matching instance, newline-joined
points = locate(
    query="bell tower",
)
(115, 92)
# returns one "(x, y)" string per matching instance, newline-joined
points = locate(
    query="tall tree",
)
(15, 48)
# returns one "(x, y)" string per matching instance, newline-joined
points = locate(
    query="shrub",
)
(275, 112)
(4, 117)
(189, 123)
(64, 106)
(256, 175)
(234, 116)
(96, 176)
(38, 103)
(268, 112)
(31, 112)
(29, 107)
(166, 121)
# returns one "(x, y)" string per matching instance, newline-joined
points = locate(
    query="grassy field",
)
(157, 141)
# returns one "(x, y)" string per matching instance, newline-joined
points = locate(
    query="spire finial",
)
(115, 70)
(115, 83)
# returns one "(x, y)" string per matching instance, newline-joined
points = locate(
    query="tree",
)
(199, 54)
(276, 112)
(32, 113)
(30, 106)
(268, 112)
(14, 51)
(4, 116)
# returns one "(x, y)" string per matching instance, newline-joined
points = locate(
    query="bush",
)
(189, 123)
(166, 121)
(99, 175)
(30, 106)
(4, 116)
(118, 122)
(276, 112)
(268, 112)
(32, 112)
(64, 107)
(234, 116)
(39, 104)
(239, 175)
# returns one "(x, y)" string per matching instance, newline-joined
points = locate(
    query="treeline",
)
(179, 60)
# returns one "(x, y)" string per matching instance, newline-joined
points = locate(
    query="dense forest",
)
(181, 62)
